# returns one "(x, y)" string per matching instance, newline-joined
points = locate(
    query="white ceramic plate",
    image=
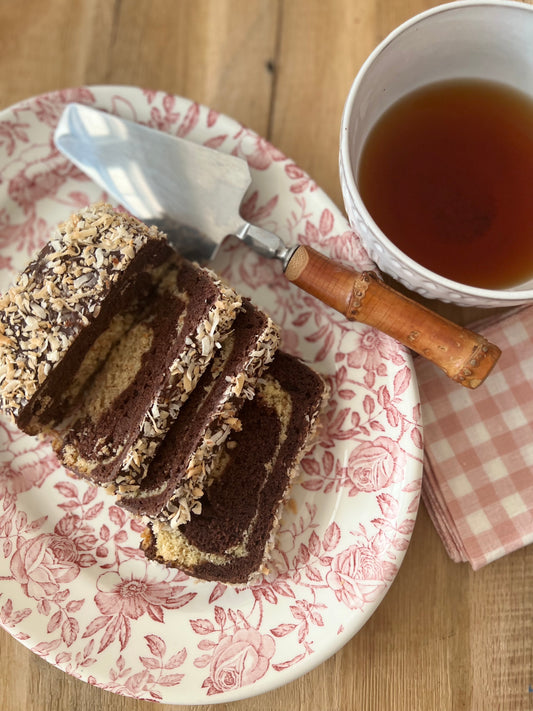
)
(75, 588)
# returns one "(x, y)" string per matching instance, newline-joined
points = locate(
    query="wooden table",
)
(444, 638)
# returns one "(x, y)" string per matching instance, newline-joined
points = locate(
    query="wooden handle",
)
(463, 355)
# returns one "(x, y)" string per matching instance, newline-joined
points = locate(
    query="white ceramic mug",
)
(491, 40)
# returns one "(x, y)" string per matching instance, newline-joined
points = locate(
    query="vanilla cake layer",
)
(231, 539)
(174, 480)
(97, 264)
(149, 373)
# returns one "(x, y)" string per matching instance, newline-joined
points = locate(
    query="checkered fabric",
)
(478, 459)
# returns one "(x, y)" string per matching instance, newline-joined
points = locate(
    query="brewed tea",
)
(447, 175)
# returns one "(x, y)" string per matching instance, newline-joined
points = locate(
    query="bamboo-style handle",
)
(463, 355)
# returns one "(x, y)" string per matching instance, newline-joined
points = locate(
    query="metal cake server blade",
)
(191, 192)
(194, 194)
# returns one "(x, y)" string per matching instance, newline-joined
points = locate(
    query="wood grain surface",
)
(444, 638)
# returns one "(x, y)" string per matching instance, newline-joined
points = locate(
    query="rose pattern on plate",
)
(75, 587)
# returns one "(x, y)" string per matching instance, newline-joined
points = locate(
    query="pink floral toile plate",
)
(75, 589)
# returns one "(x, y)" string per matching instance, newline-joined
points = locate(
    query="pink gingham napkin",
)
(478, 459)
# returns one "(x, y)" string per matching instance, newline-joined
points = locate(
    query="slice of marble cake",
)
(78, 295)
(173, 481)
(230, 540)
(149, 373)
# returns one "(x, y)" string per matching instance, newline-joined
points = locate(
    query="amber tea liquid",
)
(447, 175)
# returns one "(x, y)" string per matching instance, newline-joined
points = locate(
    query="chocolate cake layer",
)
(231, 538)
(149, 373)
(174, 480)
(97, 263)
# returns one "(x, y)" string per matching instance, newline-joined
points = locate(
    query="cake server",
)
(194, 194)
